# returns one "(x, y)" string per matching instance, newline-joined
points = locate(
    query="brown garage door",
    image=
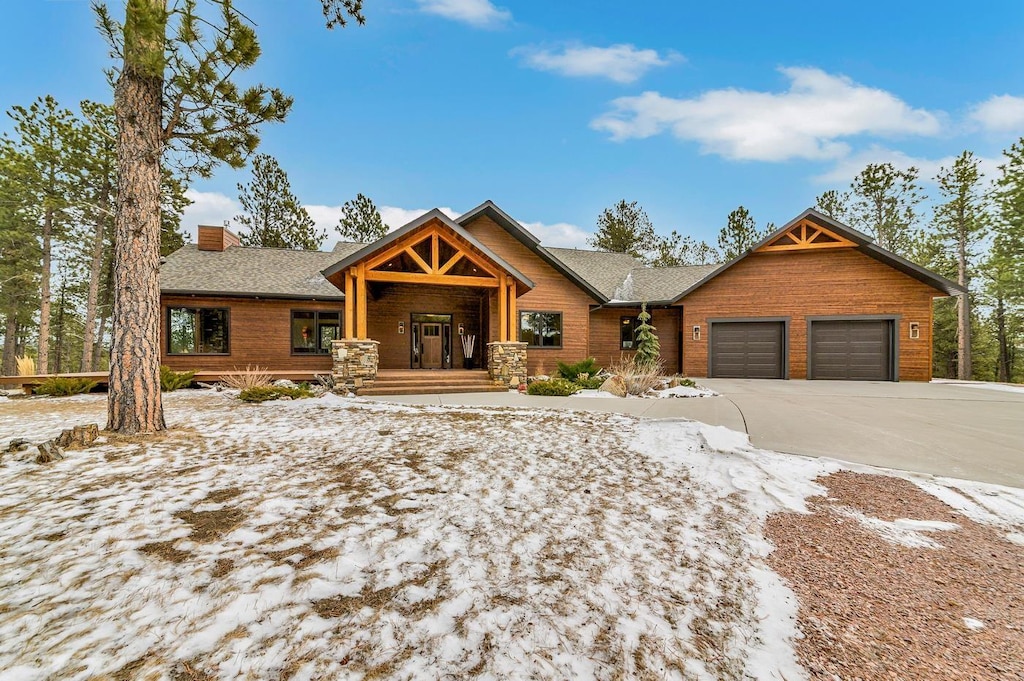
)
(747, 349)
(852, 350)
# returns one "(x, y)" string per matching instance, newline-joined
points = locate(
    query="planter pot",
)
(467, 363)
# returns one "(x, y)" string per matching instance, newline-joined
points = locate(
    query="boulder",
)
(284, 383)
(18, 444)
(49, 452)
(616, 385)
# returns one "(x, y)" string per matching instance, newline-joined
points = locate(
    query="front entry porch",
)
(418, 382)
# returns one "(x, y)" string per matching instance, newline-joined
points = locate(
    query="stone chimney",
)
(216, 238)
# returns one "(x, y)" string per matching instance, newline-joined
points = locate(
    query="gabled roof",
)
(258, 272)
(505, 221)
(865, 244)
(435, 214)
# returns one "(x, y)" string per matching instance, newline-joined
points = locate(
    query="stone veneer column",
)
(506, 363)
(355, 363)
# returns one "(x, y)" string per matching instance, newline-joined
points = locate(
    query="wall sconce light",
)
(696, 332)
(401, 328)
(915, 330)
(462, 330)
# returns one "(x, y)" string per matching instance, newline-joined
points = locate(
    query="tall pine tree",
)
(1004, 268)
(273, 215)
(883, 203)
(739, 234)
(360, 221)
(625, 228)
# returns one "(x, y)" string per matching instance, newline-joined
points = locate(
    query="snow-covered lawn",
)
(337, 538)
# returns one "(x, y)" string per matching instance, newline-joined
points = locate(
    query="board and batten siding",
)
(804, 284)
(605, 336)
(552, 292)
(259, 333)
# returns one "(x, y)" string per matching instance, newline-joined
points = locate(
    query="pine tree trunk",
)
(963, 318)
(59, 345)
(1003, 358)
(43, 360)
(97, 346)
(134, 403)
(10, 363)
(95, 272)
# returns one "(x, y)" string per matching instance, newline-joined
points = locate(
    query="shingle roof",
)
(622, 278)
(603, 270)
(238, 270)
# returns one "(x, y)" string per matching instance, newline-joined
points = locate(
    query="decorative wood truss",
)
(806, 235)
(432, 255)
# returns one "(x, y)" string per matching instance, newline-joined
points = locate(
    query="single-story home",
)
(816, 299)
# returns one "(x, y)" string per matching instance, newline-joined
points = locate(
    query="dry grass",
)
(640, 378)
(26, 366)
(251, 377)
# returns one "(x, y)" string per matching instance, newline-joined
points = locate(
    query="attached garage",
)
(747, 349)
(851, 349)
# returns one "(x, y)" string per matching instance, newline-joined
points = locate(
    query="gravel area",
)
(889, 589)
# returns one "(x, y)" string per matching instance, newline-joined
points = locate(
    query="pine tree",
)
(360, 221)
(883, 203)
(833, 204)
(739, 234)
(625, 228)
(648, 347)
(1004, 267)
(675, 250)
(173, 91)
(961, 223)
(272, 214)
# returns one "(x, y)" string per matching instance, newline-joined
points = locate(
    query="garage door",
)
(747, 349)
(852, 350)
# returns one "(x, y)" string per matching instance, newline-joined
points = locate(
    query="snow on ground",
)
(1001, 387)
(340, 538)
(685, 391)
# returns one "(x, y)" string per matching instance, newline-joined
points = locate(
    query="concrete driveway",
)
(947, 429)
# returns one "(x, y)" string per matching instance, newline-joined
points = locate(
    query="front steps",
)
(430, 382)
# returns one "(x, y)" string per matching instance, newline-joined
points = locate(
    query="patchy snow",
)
(982, 385)
(342, 538)
(973, 624)
(684, 391)
(595, 393)
(902, 531)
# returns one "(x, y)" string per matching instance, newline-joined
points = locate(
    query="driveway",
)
(948, 429)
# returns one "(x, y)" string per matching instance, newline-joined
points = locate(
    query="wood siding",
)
(805, 284)
(605, 335)
(216, 238)
(390, 304)
(259, 333)
(551, 293)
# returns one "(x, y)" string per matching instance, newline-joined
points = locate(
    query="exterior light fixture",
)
(401, 328)
(915, 330)
(696, 332)
(462, 330)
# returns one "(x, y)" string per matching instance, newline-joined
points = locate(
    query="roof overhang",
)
(249, 294)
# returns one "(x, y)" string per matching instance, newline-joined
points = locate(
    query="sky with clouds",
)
(557, 110)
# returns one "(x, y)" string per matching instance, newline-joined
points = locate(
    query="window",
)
(312, 332)
(627, 333)
(202, 331)
(541, 329)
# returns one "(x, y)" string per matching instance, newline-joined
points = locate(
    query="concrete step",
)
(429, 389)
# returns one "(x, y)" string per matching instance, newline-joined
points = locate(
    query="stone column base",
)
(355, 364)
(506, 363)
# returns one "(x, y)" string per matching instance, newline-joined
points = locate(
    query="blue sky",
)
(556, 110)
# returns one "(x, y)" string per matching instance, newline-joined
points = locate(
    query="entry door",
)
(430, 339)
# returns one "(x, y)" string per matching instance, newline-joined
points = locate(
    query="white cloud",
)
(806, 121)
(326, 217)
(846, 169)
(620, 63)
(207, 208)
(559, 234)
(479, 13)
(1000, 113)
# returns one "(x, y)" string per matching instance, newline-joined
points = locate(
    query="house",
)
(815, 299)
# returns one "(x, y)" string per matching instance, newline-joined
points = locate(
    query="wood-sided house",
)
(815, 299)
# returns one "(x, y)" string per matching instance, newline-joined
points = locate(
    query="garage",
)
(851, 350)
(748, 349)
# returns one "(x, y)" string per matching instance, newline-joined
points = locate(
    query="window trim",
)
(196, 308)
(316, 326)
(561, 329)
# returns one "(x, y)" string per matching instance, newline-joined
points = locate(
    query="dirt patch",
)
(221, 495)
(210, 525)
(166, 550)
(870, 608)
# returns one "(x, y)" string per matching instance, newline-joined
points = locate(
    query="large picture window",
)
(197, 330)
(627, 333)
(312, 332)
(541, 329)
